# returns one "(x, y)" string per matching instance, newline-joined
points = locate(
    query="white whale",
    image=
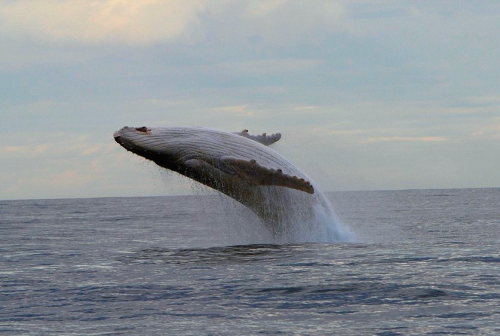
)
(243, 167)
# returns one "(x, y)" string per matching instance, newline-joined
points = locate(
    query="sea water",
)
(423, 262)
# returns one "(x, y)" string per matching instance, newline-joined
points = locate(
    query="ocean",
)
(421, 262)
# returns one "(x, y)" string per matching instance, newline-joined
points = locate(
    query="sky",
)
(368, 95)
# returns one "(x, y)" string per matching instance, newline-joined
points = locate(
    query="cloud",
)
(26, 150)
(346, 132)
(56, 145)
(484, 101)
(233, 111)
(72, 178)
(406, 139)
(90, 150)
(489, 131)
(278, 22)
(256, 68)
(261, 8)
(230, 109)
(92, 21)
(68, 182)
(152, 21)
(305, 107)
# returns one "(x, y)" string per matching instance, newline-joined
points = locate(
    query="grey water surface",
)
(424, 262)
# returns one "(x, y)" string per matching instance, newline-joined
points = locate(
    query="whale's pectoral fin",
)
(254, 173)
(262, 138)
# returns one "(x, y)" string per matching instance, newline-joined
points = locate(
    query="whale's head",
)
(156, 144)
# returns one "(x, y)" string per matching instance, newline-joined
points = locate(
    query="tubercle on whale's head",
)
(146, 142)
(143, 129)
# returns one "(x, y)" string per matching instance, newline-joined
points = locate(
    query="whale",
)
(241, 166)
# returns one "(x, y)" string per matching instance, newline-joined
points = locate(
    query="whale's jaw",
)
(148, 144)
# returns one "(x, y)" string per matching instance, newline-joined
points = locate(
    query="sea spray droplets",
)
(305, 218)
(293, 218)
(231, 223)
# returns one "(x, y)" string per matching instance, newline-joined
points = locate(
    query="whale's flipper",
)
(263, 139)
(254, 173)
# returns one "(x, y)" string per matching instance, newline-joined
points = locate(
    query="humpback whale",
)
(241, 166)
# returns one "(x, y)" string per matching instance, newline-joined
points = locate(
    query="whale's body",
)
(239, 165)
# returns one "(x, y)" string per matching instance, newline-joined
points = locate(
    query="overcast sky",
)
(367, 94)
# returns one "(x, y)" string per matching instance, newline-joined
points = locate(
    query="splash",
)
(310, 218)
(298, 218)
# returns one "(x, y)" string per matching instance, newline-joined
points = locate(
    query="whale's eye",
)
(143, 129)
